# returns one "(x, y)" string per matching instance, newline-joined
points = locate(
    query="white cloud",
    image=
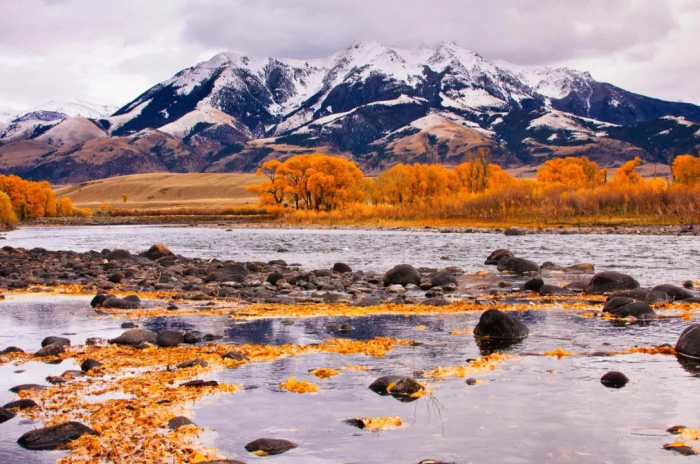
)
(109, 52)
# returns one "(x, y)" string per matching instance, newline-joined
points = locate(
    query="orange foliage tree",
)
(31, 200)
(573, 172)
(686, 170)
(313, 182)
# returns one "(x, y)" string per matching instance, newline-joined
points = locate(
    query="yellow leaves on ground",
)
(559, 353)
(380, 423)
(298, 386)
(420, 327)
(462, 332)
(689, 434)
(353, 368)
(667, 350)
(481, 364)
(323, 372)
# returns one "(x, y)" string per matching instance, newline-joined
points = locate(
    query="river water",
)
(650, 259)
(531, 409)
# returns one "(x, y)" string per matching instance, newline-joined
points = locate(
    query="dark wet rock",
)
(550, 266)
(55, 340)
(639, 294)
(497, 255)
(116, 278)
(335, 297)
(405, 388)
(167, 338)
(581, 268)
(611, 281)
(346, 328)
(24, 403)
(614, 379)
(129, 325)
(192, 363)
(274, 277)
(674, 293)
(99, 299)
(369, 301)
(341, 268)
(518, 266)
(688, 344)
(578, 286)
(443, 278)
(200, 383)
(688, 284)
(118, 303)
(49, 438)
(12, 349)
(144, 345)
(658, 297)
(434, 302)
(134, 300)
(471, 381)
(553, 290)
(190, 338)
(95, 341)
(179, 421)
(617, 302)
(403, 274)
(50, 350)
(270, 446)
(27, 387)
(157, 251)
(287, 321)
(134, 337)
(119, 255)
(637, 309)
(533, 285)
(381, 385)
(172, 307)
(6, 415)
(514, 231)
(234, 355)
(89, 364)
(495, 324)
(683, 450)
(211, 337)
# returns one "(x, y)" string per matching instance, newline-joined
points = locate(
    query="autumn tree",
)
(7, 211)
(572, 172)
(627, 173)
(125, 197)
(65, 207)
(686, 170)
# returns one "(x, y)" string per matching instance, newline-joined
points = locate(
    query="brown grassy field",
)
(163, 190)
(646, 170)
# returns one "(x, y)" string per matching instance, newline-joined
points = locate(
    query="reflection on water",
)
(651, 259)
(531, 408)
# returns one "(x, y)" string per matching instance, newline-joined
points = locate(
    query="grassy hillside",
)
(164, 190)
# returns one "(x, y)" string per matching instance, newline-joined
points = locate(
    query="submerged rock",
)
(673, 292)
(134, 337)
(518, 266)
(611, 281)
(626, 307)
(270, 446)
(381, 385)
(614, 379)
(167, 338)
(688, 344)
(499, 325)
(49, 438)
(497, 255)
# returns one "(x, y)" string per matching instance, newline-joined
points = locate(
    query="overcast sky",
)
(111, 51)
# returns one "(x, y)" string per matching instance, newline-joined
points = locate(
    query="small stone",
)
(614, 379)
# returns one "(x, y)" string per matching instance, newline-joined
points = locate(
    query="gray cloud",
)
(112, 51)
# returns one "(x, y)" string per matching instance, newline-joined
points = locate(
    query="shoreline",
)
(232, 222)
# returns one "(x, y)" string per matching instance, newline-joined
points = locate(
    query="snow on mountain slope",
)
(208, 116)
(71, 109)
(550, 82)
(71, 131)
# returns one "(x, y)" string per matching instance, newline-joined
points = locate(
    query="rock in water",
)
(157, 251)
(611, 281)
(99, 299)
(499, 325)
(134, 337)
(614, 379)
(443, 278)
(55, 340)
(120, 254)
(89, 364)
(167, 338)
(403, 274)
(24, 403)
(6, 415)
(50, 350)
(688, 344)
(497, 255)
(626, 307)
(673, 292)
(27, 387)
(381, 385)
(179, 421)
(49, 438)
(270, 446)
(341, 268)
(518, 266)
(553, 290)
(533, 285)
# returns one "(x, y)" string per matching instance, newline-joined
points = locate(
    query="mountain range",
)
(375, 104)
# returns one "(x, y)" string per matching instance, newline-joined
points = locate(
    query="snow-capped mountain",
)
(376, 104)
(61, 109)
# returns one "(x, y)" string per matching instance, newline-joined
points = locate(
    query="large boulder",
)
(688, 344)
(49, 438)
(157, 251)
(54, 349)
(381, 385)
(270, 446)
(497, 255)
(99, 299)
(443, 278)
(119, 255)
(533, 285)
(55, 340)
(517, 266)
(341, 268)
(135, 336)
(167, 338)
(499, 325)
(6, 415)
(611, 281)
(674, 293)
(403, 274)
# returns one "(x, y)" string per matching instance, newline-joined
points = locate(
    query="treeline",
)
(313, 187)
(21, 199)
